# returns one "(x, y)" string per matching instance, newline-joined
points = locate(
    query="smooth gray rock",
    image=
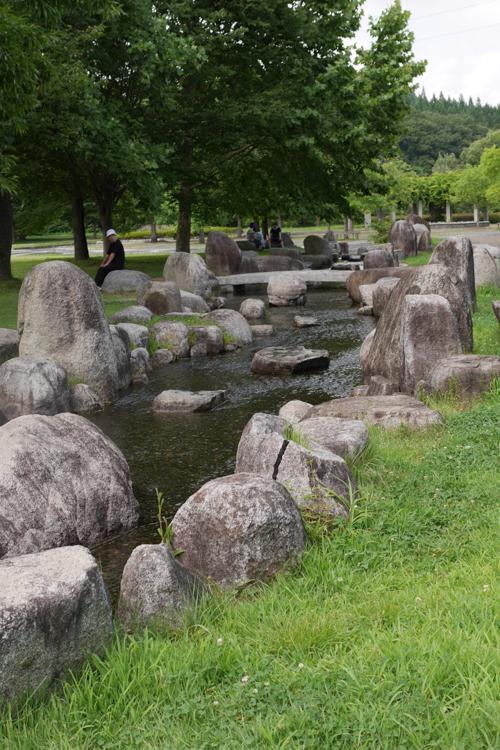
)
(286, 252)
(122, 345)
(155, 589)
(248, 264)
(54, 613)
(172, 336)
(315, 245)
(30, 386)
(125, 281)
(485, 269)
(277, 263)
(344, 437)
(282, 360)
(138, 335)
(133, 314)
(305, 321)
(356, 279)
(161, 297)
(388, 412)
(61, 318)
(83, 399)
(316, 262)
(190, 273)
(456, 254)
(161, 358)
(380, 257)
(317, 479)
(83, 491)
(403, 237)
(252, 309)
(366, 292)
(382, 291)
(208, 338)
(387, 353)
(466, 375)
(175, 400)
(234, 326)
(262, 330)
(424, 242)
(380, 386)
(429, 332)
(295, 411)
(417, 219)
(238, 529)
(194, 302)
(222, 254)
(9, 344)
(286, 290)
(140, 365)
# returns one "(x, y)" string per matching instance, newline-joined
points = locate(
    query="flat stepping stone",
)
(386, 411)
(262, 330)
(305, 321)
(173, 400)
(282, 360)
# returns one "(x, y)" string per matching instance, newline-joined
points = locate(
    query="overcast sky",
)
(460, 39)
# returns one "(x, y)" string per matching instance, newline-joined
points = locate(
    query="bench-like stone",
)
(282, 360)
(386, 411)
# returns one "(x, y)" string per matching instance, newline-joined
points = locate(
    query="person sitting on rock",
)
(114, 260)
(275, 235)
(258, 238)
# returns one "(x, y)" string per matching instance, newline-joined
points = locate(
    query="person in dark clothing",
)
(114, 260)
(275, 235)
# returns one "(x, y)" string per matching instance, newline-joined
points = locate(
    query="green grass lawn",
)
(383, 637)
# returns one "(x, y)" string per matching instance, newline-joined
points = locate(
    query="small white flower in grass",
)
(245, 679)
(486, 587)
(418, 600)
(220, 641)
(215, 703)
(301, 665)
(266, 684)
(255, 690)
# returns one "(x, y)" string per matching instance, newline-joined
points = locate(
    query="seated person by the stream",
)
(275, 235)
(114, 260)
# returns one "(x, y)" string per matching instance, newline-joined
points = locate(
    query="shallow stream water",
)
(178, 453)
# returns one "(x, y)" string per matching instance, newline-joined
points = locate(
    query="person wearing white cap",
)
(114, 260)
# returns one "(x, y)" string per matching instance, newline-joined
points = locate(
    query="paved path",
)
(310, 277)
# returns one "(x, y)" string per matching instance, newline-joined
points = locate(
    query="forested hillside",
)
(444, 126)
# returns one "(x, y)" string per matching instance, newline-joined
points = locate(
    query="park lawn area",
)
(21, 264)
(384, 636)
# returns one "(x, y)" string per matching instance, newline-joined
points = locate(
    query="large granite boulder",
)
(155, 589)
(316, 262)
(417, 219)
(194, 302)
(223, 254)
(238, 529)
(133, 314)
(61, 318)
(278, 263)
(403, 237)
(381, 294)
(206, 341)
(125, 281)
(315, 245)
(295, 411)
(286, 290)
(429, 332)
(344, 437)
(364, 352)
(424, 242)
(249, 264)
(31, 386)
(62, 481)
(317, 479)
(140, 365)
(83, 399)
(137, 335)
(283, 360)
(190, 273)
(380, 257)
(388, 412)
(236, 330)
(486, 272)
(386, 357)
(172, 336)
(252, 309)
(161, 297)
(357, 279)
(455, 253)
(494, 251)
(122, 346)
(287, 239)
(9, 344)
(175, 400)
(465, 375)
(54, 613)
(366, 292)
(286, 252)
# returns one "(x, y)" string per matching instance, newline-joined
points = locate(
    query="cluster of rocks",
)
(423, 337)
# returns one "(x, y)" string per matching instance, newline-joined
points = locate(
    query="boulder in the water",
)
(282, 360)
(176, 400)
(30, 386)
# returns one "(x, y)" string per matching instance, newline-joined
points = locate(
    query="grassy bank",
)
(383, 637)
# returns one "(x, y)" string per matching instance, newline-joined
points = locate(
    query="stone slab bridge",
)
(326, 277)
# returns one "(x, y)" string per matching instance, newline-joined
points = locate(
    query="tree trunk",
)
(154, 233)
(265, 227)
(78, 227)
(5, 235)
(239, 231)
(106, 222)
(183, 237)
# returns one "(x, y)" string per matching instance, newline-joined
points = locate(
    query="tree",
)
(490, 166)
(470, 186)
